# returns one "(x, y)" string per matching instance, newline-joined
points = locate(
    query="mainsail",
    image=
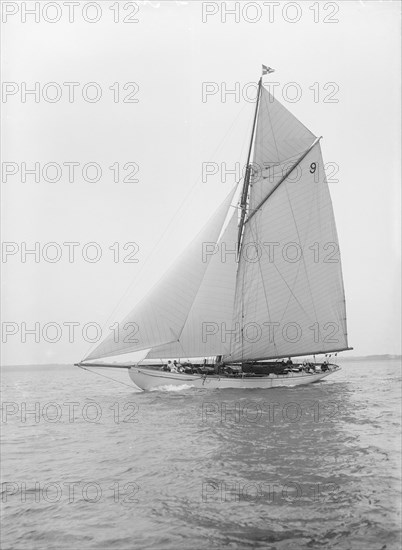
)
(289, 295)
(283, 294)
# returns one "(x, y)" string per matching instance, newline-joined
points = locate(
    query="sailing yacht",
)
(259, 285)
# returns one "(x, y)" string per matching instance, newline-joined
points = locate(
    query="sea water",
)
(90, 462)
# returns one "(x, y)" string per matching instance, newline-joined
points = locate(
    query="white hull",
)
(150, 379)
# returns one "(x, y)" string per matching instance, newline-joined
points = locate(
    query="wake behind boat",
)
(261, 281)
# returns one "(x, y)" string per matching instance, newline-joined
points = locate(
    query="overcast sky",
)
(169, 53)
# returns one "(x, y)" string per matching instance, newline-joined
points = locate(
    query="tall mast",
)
(246, 184)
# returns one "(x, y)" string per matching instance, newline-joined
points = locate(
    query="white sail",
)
(289, 294)
(212, 308)
(280, 139)
(160, 317)
(283, 296)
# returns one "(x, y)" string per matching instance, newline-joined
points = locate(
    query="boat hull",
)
(150, 379)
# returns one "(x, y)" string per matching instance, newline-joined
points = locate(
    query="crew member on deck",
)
(177, 366)
(167, 367)
(173, 367)
(218, 364)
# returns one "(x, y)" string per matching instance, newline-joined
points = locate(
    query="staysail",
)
(160, 317)
(212, 309)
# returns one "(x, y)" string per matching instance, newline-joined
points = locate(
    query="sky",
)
(154, 124)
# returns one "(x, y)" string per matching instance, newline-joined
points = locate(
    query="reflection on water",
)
(90, 463)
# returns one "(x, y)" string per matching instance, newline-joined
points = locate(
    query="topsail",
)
(283, 295)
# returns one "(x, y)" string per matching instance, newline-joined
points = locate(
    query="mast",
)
(246, 184)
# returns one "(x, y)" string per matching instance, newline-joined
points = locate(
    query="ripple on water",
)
(204, 469)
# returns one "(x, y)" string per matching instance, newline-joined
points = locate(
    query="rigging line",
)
(108, 377)
(163, 234)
